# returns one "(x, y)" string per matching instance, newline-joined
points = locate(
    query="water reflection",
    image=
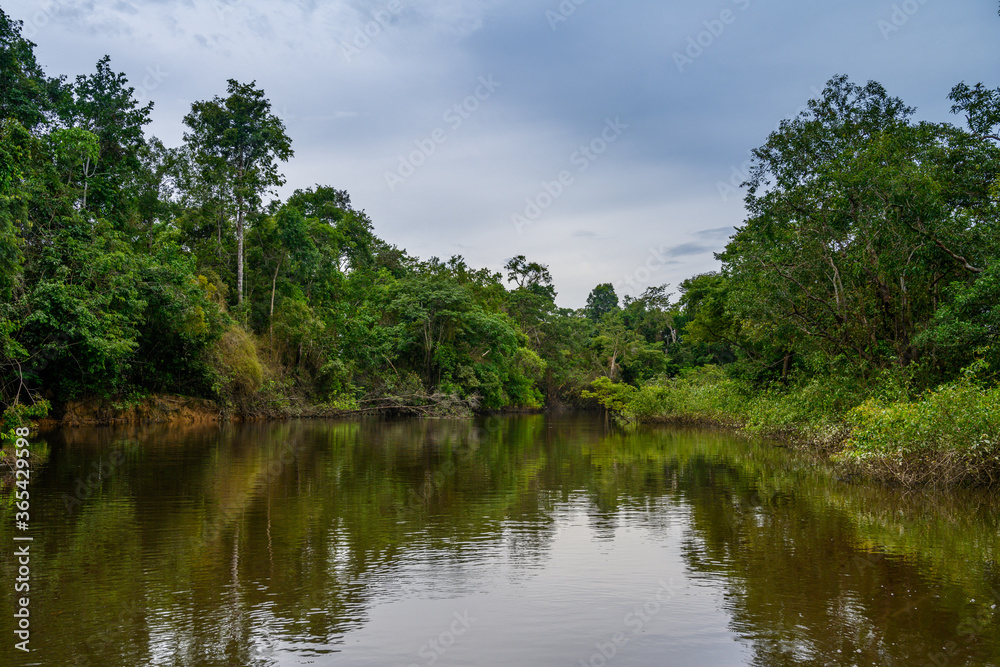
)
(526, 540)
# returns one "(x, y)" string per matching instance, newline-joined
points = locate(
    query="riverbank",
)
(175, 409)
(945, 437)
(156, 409)
(948, 436)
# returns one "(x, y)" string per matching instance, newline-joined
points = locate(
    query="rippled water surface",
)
(506, 541)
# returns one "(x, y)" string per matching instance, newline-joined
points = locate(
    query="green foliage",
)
(182, 318)
(954, 417)
(703, 394)
(617, 346)
(531, 277)
(601, 301)
(981, 107)
(236, 144)
(616, 397)
(967, 326)
(112, 170)
(26, 94)
(709, 394)
(15, 416)
(714, 331)
(75, 149)
(236, 368)
(88, 291)
(15, 147)
(954, 426)
(859, 218)
(446, 324)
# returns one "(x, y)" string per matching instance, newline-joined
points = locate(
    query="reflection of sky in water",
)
(552, 594)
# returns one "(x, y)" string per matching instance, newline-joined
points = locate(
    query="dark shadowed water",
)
(507, 541)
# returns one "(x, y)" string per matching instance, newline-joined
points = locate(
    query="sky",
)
(604, 139)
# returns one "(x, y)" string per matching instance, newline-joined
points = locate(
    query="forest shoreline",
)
(945, 437)
(854, 306)
(179, 409)
(831, 443)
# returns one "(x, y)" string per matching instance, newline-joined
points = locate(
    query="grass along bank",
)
(943, 437)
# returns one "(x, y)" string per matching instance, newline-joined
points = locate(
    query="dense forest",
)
(855, 303)
(131, 268)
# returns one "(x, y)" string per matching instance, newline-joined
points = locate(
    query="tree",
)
(237, 143)
(351, 241)
(981, 107)
(103, 105)
(711, 329)
(859, 219)
(532, 301)
(652, 315)
(26, 94)
(530, 276)
(616, 344)
(16, 144)
(601, 301)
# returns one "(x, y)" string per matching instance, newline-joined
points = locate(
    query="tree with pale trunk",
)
(237, 143)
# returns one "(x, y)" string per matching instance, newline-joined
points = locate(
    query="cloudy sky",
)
(598, 137)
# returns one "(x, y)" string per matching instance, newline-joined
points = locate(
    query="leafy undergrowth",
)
(949, 435)
(945, 437)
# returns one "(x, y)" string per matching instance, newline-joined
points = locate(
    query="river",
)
(528, 540)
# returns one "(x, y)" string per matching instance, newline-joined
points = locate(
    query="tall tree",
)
(104, 105)
(350, 239)
(601, 301)
(238, 142)
(652, 315)
(616, 344)
(26, 94)
(530, 275)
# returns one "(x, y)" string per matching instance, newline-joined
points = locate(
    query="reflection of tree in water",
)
(603, 524)
(804, 588)
(228, 542)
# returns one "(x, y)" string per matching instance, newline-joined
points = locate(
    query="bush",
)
(236, 369)
(699, 394)
(14, 416)
(953, 431)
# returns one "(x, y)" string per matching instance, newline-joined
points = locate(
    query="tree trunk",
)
(239, 255)
(86, 181)
(270, 317)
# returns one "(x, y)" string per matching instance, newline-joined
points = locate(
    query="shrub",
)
(954, 430)
(236, 369)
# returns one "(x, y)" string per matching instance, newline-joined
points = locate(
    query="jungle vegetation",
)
(854, 304)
